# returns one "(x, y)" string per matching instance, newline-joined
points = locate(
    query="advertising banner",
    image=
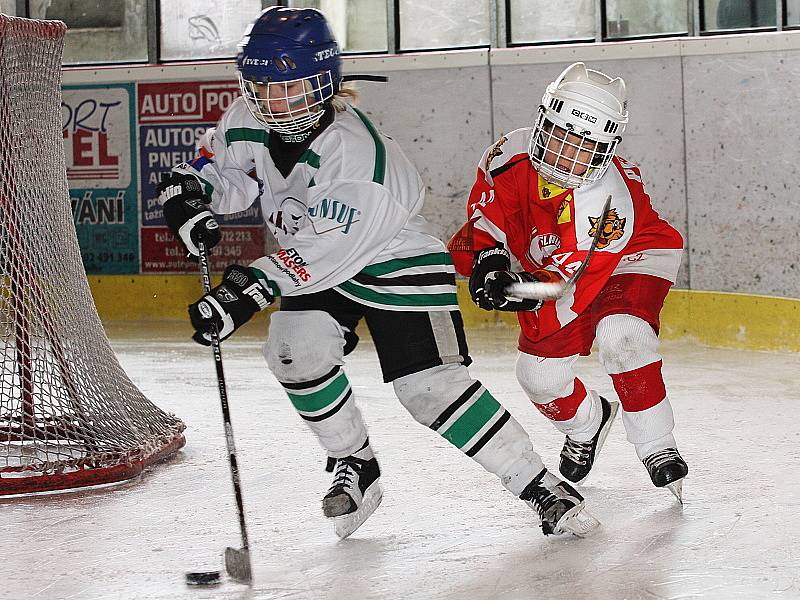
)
(98, 130)
(171, 118)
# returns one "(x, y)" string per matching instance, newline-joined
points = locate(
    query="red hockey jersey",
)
(548, 227)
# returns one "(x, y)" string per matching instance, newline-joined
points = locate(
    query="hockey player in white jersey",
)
(343, 202)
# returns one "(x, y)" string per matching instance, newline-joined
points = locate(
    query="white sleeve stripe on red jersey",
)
(662, 263)
(485, 225)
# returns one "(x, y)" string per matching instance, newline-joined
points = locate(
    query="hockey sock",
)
(328, 407)
(647, 413)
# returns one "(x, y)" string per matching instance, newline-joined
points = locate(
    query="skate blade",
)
(577, 521)
(676, 487)
(603, 435)
(237, 564)
(345, 525)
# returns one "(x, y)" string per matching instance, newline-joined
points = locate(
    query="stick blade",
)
(237, 564)
(535, 290)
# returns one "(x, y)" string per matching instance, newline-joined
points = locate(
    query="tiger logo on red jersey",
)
(613, 228)
(494, 152)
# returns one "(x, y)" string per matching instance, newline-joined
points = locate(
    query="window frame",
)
(640, 36)
(500, 31)
(509, 43)
(394, 5)
(780, 18)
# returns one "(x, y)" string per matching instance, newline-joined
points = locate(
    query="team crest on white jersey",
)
(329, 214)
(290, 217)
(542, 246)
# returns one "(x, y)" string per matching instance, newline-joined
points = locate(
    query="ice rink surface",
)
(446, 528)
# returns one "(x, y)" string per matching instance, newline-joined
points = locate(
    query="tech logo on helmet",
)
(583, 115)
(257, 62)
(323, 54)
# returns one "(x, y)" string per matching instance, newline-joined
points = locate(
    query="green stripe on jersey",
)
(246, 134)
(310, 157)
(320, 399)
(207, 187)
(398, 264)
(388, 299)
(473, 420)
(276, 291)
(379, 173)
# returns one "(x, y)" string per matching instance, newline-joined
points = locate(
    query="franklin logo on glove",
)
(187, 212)
(243, 292)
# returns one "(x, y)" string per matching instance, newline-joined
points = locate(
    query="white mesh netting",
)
(69, 415)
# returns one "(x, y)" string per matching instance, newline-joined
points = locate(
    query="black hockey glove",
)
(242, 293)
(495, 291)
(186, 210)
(486, 261)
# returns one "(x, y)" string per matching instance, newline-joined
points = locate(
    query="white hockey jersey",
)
(346, 217)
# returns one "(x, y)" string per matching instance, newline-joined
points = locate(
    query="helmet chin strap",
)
(302, 136)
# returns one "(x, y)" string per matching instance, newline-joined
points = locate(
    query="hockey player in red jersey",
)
(538, 198)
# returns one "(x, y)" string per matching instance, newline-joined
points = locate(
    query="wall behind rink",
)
(743, 165)
(441, 117)
(711, 127)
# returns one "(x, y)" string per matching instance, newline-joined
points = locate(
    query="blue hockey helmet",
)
(288, 65)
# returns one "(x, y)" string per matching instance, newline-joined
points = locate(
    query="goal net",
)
(69, 415)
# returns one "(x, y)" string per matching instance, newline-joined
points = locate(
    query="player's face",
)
(284, 99)
(568, 152)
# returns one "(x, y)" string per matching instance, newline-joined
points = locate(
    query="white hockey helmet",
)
(580, 122)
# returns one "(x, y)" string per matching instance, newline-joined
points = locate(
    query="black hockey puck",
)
(203, 578)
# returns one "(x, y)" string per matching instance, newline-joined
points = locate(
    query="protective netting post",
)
(69, 415)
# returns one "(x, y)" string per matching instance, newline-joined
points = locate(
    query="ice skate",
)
(355, 492)
(667, 469)
(561, 509)
(577, 458)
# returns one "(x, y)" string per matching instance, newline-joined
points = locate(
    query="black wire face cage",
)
(566, 156)
(288, 106)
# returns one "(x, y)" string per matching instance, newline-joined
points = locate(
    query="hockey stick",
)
(540, 290)
(237, 560)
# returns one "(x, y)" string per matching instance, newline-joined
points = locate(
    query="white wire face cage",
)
(566, 156)
(288, 106)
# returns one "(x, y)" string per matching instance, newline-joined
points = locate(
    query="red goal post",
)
(69, 415)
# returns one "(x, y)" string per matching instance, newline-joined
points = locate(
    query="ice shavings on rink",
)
(445, 529)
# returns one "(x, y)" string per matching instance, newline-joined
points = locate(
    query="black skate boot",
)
(577, 458)
(560, 508)
(667, 469)
(355, 492)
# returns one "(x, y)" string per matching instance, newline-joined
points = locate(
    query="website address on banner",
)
(150, 266)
